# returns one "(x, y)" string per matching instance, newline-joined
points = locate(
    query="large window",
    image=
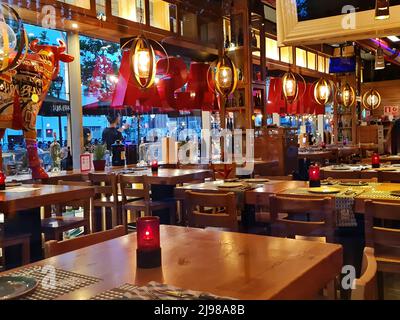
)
(163, 15)
(133, 10)
(271, 47)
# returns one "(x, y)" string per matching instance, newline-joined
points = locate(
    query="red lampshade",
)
(148, 233)
(314, 173)
(376, 160)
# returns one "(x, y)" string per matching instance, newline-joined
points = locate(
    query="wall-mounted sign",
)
(392, 111)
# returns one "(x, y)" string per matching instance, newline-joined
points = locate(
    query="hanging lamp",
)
(348, 95)
(12, 43)
(322, 91)
(371, 99)
(382, 9)
(379, 58)
(225, 76)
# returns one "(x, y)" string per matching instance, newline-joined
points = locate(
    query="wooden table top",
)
(227, 264)
(163, 176)
(258, 196)
(42, 195)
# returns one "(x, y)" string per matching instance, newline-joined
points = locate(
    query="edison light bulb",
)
(225, 77)
(142, 63)
(323, 92)
(290, 87)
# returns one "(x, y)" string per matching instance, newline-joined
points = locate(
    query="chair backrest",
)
(388, 176)
(366, 285)
(325, 174)
(377, 236)
(74, 183)
(134, 186)
(223, 171)
(319, 214)
(105, 184)
(55, 248)
(212, 210)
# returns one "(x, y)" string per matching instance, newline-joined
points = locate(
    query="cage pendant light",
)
(226, 76)
(348, 95)
(382, 9)
(371, 99)
(322, 92)
(290, 87)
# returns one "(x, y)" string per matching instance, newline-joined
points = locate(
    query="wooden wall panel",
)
(389, 91)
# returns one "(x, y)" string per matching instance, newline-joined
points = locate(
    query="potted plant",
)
(99, 152)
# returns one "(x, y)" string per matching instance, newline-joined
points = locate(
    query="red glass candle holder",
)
(2, 181)
(314, 177)
(148, 253)
(376, 161)
(154, 166)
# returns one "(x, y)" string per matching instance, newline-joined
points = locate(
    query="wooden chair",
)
(319, 224)
(388, 176)
(54, 227)
(10, 240)
(385, 240)
(340, 174)
(54, 248)
(224, 213)
(106, 197)
(136, 197)
(365, 286)
(223, 171)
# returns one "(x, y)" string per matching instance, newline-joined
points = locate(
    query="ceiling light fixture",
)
(382, 9)
(394, 38)
(379, 58)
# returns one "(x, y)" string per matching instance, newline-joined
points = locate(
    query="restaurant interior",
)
(200, 150)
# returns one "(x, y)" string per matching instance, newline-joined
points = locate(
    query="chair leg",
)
(26, 252)
(381, 285)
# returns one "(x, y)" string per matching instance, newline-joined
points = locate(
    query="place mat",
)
(379, 195)
(154, 291)
(48, 289)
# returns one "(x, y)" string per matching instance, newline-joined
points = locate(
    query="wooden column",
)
(75, 119)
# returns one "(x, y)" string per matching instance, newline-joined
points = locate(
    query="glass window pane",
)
(189, 26)
(78, 3)
(287, 54)
(271, 48)
(163, 15)
(301, 58)
(321, 64)
(327, 61)
(133, 10)
(311, 60)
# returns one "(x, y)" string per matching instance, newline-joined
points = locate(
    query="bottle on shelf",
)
(254, 42)
(241, 100)
(69, 161)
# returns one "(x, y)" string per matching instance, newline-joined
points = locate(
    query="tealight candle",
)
(314, 177)
(376, 160)
(148, 251)
(154, 166)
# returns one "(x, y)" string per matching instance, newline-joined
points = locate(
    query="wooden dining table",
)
(225, 264)
(20, 206)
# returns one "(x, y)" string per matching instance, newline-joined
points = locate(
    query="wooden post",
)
(76, 123)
